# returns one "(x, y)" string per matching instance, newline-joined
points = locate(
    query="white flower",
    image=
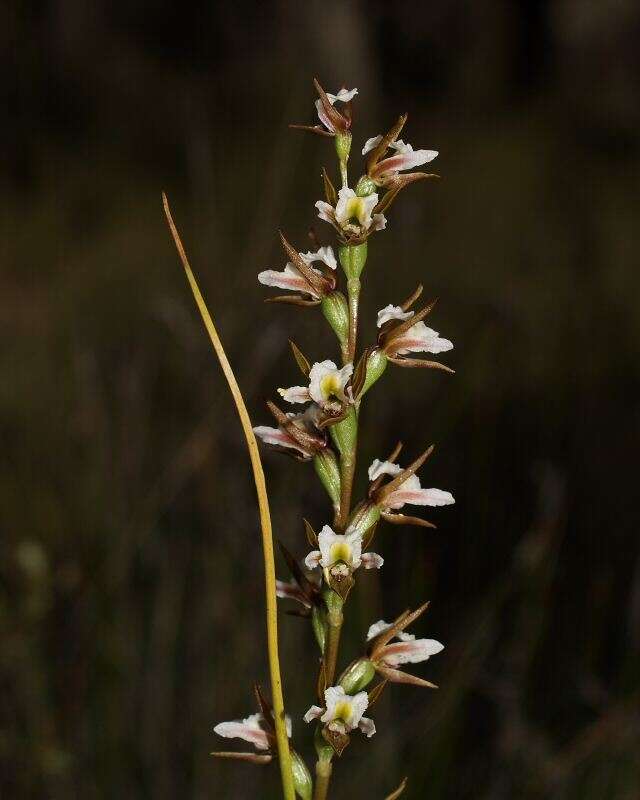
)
(292, 279)
(326, 381)
(405, 158)
(410, 491)
(350, 206)
(407, 650)
(278, 437)
(336, 549)
(286, 435)
(289, 278)
(248, 729)
(392, 312)
(420, 339)
(343, 96)
(343, 712)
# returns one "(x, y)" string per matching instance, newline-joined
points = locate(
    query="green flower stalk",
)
(324, 427)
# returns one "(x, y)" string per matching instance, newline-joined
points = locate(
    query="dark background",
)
(131, 610)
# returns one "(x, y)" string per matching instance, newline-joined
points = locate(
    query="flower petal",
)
(421, 339)
(410, 652)
(419, 497)
(344, 95)
(372, 561)
(392, 312)
(371, 143)
(367, 726)
(332, 696)
(326, 212)
(313, 559)
(380, 626)
(295, 394)
(313, 713)
(278, 438)
(378, 468)
(248, 729)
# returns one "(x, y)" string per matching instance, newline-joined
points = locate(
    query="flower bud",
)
(365, 186)
(335, 309)
(353, 257)
(376, 365)
(363, 517)
(343, 145)
(301, 777)
(357, 676)
(345, 432)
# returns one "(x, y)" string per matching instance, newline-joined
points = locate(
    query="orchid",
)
(408, 649)
(326, 381)
(250, 729)
(342, 712)
(409, 491)
(405, 158)
(352, 214)
(326, 432)
(341, 550)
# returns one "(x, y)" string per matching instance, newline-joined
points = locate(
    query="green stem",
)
(353, 290)
(323, 776)
(335, 619)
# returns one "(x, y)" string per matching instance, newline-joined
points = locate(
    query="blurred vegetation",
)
(130, 608)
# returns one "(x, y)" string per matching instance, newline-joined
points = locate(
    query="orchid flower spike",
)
(343, 712)
(352, 216)
(333, 121)
(327, 387)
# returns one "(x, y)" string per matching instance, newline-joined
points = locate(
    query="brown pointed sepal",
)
(292, 300)
(311, 129)
(397, 676)
(404, 519)
(413, 363)
(251, 758)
